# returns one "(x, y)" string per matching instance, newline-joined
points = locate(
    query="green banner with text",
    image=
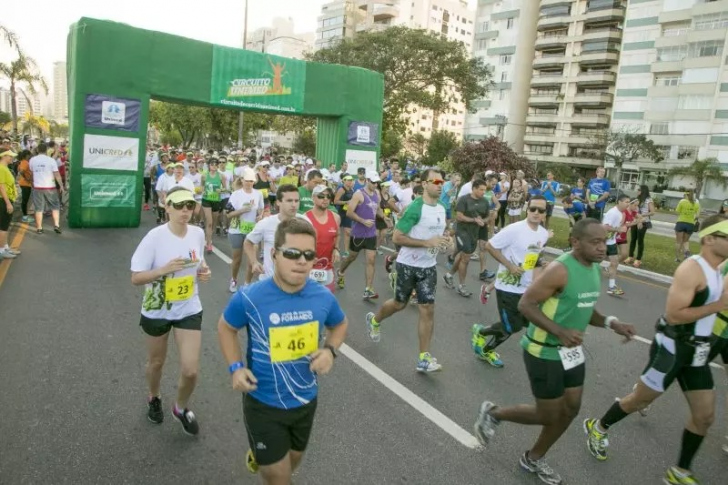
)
(246, 79)
(108, 190)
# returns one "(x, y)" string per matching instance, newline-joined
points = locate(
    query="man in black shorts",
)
(472, 211)
(680, 351)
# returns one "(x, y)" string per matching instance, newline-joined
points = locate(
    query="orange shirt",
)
(25, 178)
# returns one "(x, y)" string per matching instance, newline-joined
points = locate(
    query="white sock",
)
(612, 282)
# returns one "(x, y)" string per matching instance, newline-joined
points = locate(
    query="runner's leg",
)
(426, 325)
(369, 271)
(208, 225)
(279, 473)
(156, 355)
(188, 346)
(550, 434)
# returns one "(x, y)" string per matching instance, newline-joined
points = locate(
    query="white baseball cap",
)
(373, 176)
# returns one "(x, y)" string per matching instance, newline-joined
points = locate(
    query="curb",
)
(661, 278)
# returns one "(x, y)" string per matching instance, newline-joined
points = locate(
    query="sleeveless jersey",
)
(325, 239)
(572, 308)
(263, 186)
(367, 210)
(704, 326)
(720, 329)
(345, 197)
(213, 184)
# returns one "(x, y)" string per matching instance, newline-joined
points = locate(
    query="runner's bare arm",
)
(687, 280)
(498, 256)
(353, 203)
(335, 335)
(228, 338)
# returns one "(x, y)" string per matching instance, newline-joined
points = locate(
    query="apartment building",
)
(673, 85)
(338, 20)
(281, 39)
(60, 92)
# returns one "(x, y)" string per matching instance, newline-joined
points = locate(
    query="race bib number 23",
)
(293, 342)
(179, 289)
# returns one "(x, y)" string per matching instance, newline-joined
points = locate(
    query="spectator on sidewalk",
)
(7, 201)
(579, 192)
(597, 193)
(688, 210)
(646, 209)
(25, 180)
(631, 219)
(45, 194)
(550, 189)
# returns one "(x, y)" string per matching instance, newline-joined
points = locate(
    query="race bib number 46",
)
(571, 357)
(179, 289)
(293, 342)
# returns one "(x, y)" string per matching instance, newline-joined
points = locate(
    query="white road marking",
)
(428, 411)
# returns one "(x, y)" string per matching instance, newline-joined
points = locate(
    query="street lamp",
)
(245, 46)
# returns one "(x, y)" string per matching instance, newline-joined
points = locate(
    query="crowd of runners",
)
(300, 227)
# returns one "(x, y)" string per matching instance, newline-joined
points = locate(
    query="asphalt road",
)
(73, 388)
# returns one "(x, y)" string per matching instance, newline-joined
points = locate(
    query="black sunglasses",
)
(295, 254)
(189, 204)
(323, 196)
(537, 209)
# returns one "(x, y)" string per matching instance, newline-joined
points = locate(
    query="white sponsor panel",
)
(110, 152)
(361, 158)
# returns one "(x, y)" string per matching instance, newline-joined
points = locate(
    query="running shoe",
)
(474, 257)
(57, 229)
(154, 411)
(208, 248)
(447, 278)
(487, 275)
(486, 424)
(597, 442)
(250, 462)
(492, 357)
(39, 231)
(233, 286)
(637, 263)
(188, 420)
(673, 476)
(477, 341)
(392, 280)
(345, 254)
(725, 446)
(373, 327)
(463, 291)
(615, 291)
(629, 260)
(146, 207)
(388, 262)
(217, 231)
(13, 251)
(370, 294)
(484, 293)
(5, 254)
(542, 469)
(379, 251)
(340, 281)
(27, 219)
(427, 363)
(450, 261)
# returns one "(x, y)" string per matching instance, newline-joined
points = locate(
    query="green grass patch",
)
(659, 256)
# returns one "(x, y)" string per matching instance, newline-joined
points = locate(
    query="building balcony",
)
(612, 34)
(547, 79)
(593, 99)
(596, 78)
(551, 41)
(542, 119)
(575, 161)
(545, 100)
(544, 61)
(606, 15)
(539, 138)
(598, 58)
(550, 23)
(591, 119)
(556, 3)
(384, 12)
(666, 66)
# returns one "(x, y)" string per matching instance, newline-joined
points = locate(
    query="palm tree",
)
(707, 169)
(22, 70)
(10, 38)
(31, 124)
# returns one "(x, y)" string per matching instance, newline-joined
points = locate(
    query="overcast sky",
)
(42, 25)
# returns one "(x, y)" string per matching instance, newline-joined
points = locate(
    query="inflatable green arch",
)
(115, 69)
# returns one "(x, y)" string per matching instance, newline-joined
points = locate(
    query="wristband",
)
(235, 366)
(331, 348)
(608, 321)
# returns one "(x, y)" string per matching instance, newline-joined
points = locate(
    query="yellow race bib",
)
(530, 262)
(246, 227)
(179, 289)
(264, 192)
(293, 342)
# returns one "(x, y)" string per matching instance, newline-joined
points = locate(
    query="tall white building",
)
(32, 104)
(338, 20)
(5, 101)
(673, 85)
(60, 92)
(281, 39)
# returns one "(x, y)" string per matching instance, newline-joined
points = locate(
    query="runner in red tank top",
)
(326, 223)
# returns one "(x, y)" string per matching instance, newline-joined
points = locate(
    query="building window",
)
(672, 53)
(711, 21)
(693, 101)
(509, 23)
(504, 76)
(664, 150)
(667, 80)
(505, 60)
(502, 94)
(687, 153)
(673, 30)
(541, 149)
(481, 44)
(707, 48)
(659, 128)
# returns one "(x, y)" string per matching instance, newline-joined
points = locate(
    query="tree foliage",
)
(305, 143)
(189, 121)
(9, 36)
(439, 146)
(702, 171)
(391, 144)
(417, 144)
(421, 69)
(22, 71)
(489, 154)
(58, 130)
(5, 118)
(563, 172)
(620, 147)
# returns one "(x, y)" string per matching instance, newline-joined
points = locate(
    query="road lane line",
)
(15, 243)
(427, 410)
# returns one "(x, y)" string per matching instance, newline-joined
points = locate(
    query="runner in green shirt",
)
(560, 305)
(305, 191)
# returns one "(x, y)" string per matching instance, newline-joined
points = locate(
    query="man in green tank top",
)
(559, 305)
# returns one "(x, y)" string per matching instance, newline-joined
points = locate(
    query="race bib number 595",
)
(571, 357)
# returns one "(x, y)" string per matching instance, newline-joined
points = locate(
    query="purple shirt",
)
(367, 210)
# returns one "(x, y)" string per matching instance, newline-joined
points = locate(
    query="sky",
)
(42, 25)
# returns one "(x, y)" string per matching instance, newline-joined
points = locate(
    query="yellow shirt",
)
(288, 179)
(687, 212)
(7, 179)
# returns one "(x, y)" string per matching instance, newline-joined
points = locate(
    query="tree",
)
(22, 70)
(417, 143)
(421, 70)
(622, 147)
(489, 154)
(391, 144)
(58, 130)
(10, 37)
(701, 171)
(563, 172)
(305, 143)
(34, 125)
(5, 118)
(440, 145)
(189, 121)
(291, 124)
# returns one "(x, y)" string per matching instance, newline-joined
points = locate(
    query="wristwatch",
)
(331, 348)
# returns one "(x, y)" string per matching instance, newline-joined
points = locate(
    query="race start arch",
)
(115, 69)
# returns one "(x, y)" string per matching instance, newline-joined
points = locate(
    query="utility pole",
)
(245, 46)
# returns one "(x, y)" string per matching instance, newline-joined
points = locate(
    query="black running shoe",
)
(155, 413)
(188, 420)
(388, 262)
(487, 275)
(57, 229)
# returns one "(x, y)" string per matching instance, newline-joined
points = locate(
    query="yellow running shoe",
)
(250, 462)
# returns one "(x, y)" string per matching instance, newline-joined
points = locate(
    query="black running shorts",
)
(465, 242)
(665, 366)
(273, 432)
(357, 244)
(156, 327)
(422, 280)
(511, 320)
(214, 206)
(548, 378)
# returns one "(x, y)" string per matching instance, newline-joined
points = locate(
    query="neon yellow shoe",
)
(250, 462)
(673, 476)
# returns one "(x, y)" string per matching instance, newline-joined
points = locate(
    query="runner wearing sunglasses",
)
(170, 263)
(285, 317)
(518, 249)
(326, 224)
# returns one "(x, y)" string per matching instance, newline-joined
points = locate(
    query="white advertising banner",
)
(110, 152)
(361, 158)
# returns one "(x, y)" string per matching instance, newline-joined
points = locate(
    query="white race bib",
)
(571, 357)
(700, 358)
(323, 276)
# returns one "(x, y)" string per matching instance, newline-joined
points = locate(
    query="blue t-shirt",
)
(576, 209)
(444, 198)
(597, 188)
(263, 306)
(534, 192)
(550, 190)
(358, 185)
(577, 192)
(160, 170)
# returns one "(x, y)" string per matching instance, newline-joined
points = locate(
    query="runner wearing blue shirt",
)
(579, 192)
(597, 193)
(550, 189)
(285, 317)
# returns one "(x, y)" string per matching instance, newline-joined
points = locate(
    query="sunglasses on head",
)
(189, 204)
(436, 182)
(295, 254)
(537, 209)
